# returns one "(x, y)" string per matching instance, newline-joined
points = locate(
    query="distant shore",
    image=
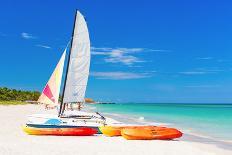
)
(13, 140)
(12, 103)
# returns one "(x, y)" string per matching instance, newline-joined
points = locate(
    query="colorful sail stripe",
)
(50, 94)
(47, 91)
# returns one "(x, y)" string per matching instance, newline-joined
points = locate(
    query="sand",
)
(14, 141)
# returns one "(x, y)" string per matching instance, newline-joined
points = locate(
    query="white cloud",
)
(130, 50)
(119, 75)
(43, 46)
(204, 58)
(25, 35)
(201, 71)
(101, 48)
(120, 55)
(212, 70)
(109, 49)
(157, 50)
(99, 53)
(135, 66)
(153, 71)
(202, 86)
(193, 73)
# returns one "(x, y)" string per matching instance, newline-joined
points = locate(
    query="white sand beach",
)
(14, 141)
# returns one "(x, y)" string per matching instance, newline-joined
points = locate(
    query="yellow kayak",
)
(111, 130)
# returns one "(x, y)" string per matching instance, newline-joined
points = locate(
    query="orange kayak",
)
(150, 134)
(82, 131)
(116, 130)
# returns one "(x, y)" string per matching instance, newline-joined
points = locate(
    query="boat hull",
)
(112, 131)
(53, 121)
(51, 126)
(80, 131)
(150, 134)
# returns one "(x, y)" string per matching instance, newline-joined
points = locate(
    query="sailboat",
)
(75, 82)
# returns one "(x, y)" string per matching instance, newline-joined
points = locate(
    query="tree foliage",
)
(7, 94)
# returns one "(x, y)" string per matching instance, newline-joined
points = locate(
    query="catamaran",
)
(75, 82)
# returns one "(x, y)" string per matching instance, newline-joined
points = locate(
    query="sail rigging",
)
(78, 64)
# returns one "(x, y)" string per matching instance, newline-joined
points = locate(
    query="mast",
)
(62, 104)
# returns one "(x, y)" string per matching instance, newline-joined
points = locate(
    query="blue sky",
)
(142, 51)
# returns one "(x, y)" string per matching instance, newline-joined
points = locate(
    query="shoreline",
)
(13, 140)
(187, 136)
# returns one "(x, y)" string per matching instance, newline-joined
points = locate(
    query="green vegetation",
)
(12, 103)
(13, 96)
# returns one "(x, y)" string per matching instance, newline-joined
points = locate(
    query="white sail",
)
(51, 91)
(78, 70)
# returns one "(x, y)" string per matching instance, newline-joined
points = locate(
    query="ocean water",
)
(210, 120)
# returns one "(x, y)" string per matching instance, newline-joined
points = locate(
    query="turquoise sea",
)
(209, 120)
